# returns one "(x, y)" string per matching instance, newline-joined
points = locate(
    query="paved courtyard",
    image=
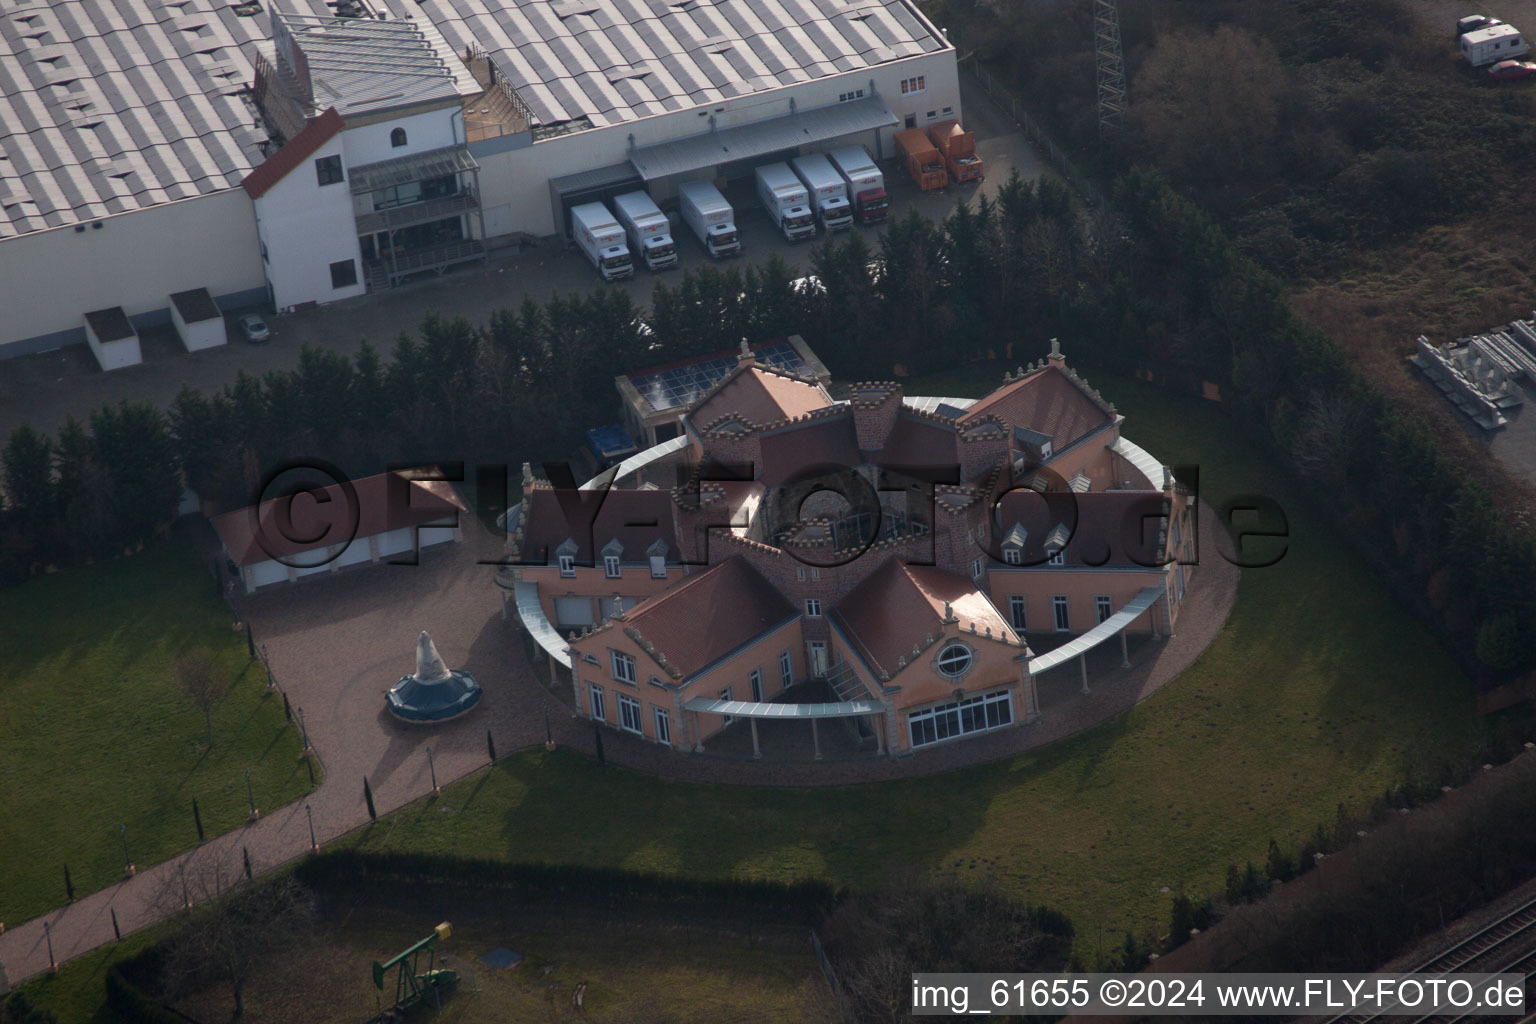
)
(43, 389)
(336, 643)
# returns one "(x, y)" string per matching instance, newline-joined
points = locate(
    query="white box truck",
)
(650, 233)
(710, 217)
(786, 201)
(599, 235)
(866, 185)
(1492, 44)
(829, 192)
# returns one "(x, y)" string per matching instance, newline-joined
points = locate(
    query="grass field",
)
(94, 734)
(1321, 690)
(637, 974)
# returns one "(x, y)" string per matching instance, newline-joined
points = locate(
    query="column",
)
(815, 740)
(1125, 657)
(757, 753)
(698, 735)
(875, 727)
(1031, 698)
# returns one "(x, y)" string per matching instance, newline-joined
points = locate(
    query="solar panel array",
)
(620, 60)
(682, 386)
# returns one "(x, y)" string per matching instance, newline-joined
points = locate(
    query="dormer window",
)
(1013, 544)
(1058, 557)
(566, 554)
(657, 553)
(1013, 556)
(612, 551)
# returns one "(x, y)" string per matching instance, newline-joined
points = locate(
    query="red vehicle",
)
(1512, 70)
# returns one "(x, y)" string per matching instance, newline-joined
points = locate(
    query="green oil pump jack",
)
(412, 983)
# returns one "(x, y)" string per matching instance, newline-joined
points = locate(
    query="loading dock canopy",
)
(760, 138)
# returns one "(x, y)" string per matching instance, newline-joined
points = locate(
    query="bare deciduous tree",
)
(231, 924)
(199, 679)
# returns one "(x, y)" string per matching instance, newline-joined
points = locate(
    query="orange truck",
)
(958, 148)
(924, 162)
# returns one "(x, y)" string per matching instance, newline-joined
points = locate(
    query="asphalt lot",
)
(46, 388)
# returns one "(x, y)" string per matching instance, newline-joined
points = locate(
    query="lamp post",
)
(549, 736)
(432, 768)
(314, 846)
(122, 833)
(250, 796)
(53, 967)
(271, 683)
(305, 730)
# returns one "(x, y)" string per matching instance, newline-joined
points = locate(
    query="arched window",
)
(397, 137)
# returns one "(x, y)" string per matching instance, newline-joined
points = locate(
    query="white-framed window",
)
(948, 111)
(663, 727)
(595, 694)
(977, 569)
(725, 694)
(1013, 556)
(813, 607)
(1016, 610)
(755, 680)
(1059, 610)
(960, 718)
(1101, 607)
(800, 575)
(1058, 557)
(954, 660)
(623, 667)
(1179, 575)
(844, 97)
(786, 669)
(658, 567)
(629, 714)
(611, 566)
(815, 574)
(567, 565)
(910, 85)
(816, 650)
(1175, 537)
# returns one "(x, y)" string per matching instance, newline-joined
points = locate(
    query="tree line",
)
(1154, 283)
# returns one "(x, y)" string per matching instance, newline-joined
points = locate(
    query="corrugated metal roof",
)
(751, 709)
(531, 613)
(620, 60)
(771, 135)
(111, 106)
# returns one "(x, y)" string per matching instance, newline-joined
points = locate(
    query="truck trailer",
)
(710, 217)
(787, 201)
(923, 160)
(599, 234)
(829, 192)
(958, 147)
(1491, 44)
(866, 185)
(649, 231)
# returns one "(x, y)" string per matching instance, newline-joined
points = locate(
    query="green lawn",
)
(94, 734)
(1321, 690)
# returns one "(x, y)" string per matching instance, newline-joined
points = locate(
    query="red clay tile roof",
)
(298, 149)
(760, 397)
(709, 615)
(320, 522)
(819, 445)
(1097, 538)
(898, 605)
(1045, 401)
(636, 518)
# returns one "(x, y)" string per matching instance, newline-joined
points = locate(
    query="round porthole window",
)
(954, 660)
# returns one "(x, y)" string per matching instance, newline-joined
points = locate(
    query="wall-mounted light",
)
(96, 226)
(79, 228)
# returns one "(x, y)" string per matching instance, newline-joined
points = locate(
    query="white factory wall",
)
(369, 143)
(515, 184)
(305, 227)
(49, 279)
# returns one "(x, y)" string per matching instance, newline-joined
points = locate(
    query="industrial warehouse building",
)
(283, 153)
(878, 564)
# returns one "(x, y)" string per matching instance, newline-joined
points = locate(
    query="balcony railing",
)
(417, 213)
(433, 257)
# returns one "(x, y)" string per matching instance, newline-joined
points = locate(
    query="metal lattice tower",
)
(1111, 65)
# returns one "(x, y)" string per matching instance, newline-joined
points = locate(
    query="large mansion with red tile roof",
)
(881, 560)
